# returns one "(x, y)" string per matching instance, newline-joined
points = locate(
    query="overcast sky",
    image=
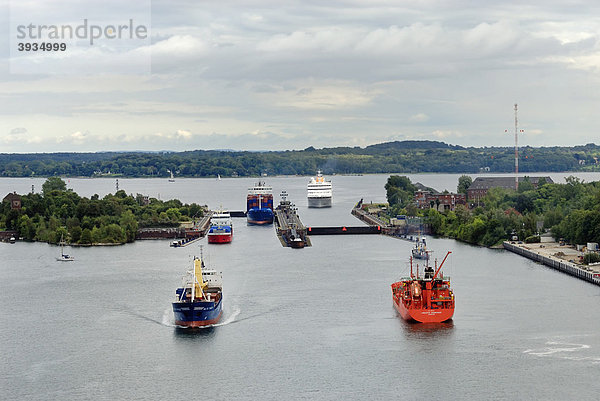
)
(274, 75)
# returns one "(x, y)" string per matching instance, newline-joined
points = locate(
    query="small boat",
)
(295, 239)
(420, 250)
(297, 243)
(426, 299)
(63, 256)
(198, 301)
(172, 179)
(12, 240)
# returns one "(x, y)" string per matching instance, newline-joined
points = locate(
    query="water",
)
(316, 323)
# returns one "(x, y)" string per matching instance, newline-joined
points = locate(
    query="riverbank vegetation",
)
(389, 157)
(570, 211)
(60, 213)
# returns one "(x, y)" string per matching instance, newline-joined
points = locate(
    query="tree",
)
(26, 228)
(129, 225)
(86, 236)
(75, 233)
(464, 182)
(526, 185)
(399, 191)
(524, 203)
(114, 234)
(52, 184)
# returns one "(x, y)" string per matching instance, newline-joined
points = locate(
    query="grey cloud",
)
(300, 73)
(18, 131)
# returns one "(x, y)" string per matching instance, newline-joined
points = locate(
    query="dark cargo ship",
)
(199, 300)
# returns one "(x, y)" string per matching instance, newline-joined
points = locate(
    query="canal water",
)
(316, 323)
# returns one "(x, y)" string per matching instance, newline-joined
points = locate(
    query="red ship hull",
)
(260, 222)
(220, 239)
(424, 315)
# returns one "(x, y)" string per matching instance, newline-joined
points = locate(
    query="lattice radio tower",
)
(516, 149)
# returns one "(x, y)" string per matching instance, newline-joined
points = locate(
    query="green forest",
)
(390, 157)
(60, 214)
(570, 211)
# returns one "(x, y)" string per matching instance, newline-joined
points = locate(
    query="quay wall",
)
(561, 265)
(5, 235)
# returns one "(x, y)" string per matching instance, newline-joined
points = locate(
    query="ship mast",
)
(193, 282)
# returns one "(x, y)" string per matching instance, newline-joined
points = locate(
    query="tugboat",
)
(427, 299)
(420, 250)
(295, 240)
(198, 301)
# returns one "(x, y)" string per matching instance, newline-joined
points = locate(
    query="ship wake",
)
(228, 317)
(559, 349)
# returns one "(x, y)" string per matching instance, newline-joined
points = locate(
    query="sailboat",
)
(63, 256)
(172, 179)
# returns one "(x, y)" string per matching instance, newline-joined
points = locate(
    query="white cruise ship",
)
(319, 191)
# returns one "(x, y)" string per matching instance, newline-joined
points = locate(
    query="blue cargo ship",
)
(259, 204)
(199, 300)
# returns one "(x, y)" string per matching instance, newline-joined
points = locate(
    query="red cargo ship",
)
(221, 228)
(427, 299)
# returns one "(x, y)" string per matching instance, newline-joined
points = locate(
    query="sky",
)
(278, 75)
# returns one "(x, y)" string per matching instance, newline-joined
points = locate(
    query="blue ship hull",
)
(260, 216)
(197, 314)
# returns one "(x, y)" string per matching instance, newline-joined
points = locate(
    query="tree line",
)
(389, 157)
(60, 214)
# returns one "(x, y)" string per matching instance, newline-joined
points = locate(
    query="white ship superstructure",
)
(320, 191)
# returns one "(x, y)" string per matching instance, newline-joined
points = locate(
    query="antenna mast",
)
(516, 150)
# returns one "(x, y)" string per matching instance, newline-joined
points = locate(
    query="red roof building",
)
(14, 199)
(439, 202)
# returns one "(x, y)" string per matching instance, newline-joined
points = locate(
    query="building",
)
(481, 185)
(440, 202)
(14, 200)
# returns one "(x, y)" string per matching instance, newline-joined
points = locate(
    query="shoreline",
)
(559, 257)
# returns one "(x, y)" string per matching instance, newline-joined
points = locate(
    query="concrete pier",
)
(560, 257)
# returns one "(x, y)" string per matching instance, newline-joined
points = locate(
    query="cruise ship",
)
(319, 191)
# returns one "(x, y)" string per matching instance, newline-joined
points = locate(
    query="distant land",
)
(388, 157)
